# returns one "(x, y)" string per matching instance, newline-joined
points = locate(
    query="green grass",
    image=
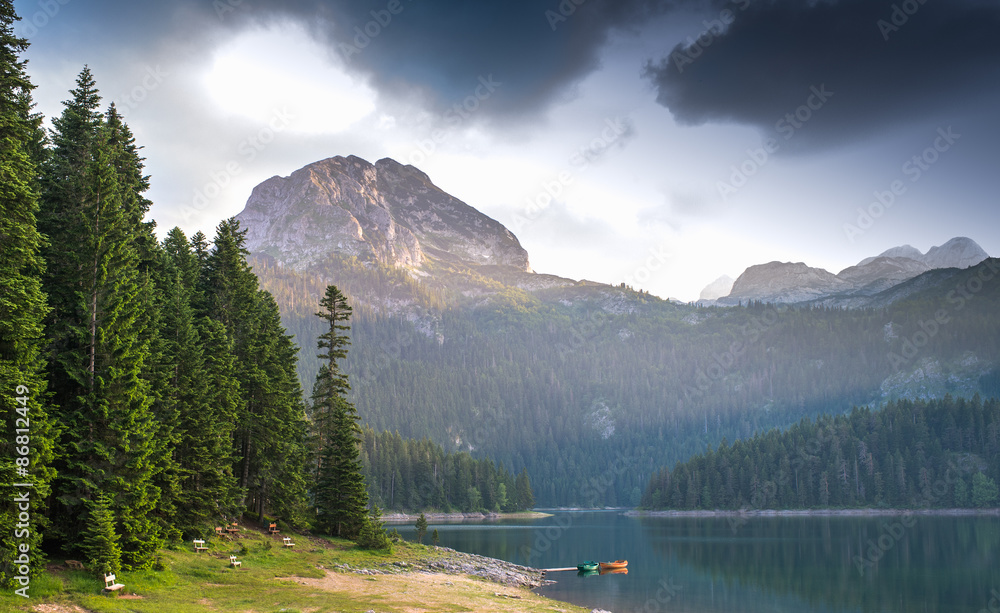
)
(199, 583)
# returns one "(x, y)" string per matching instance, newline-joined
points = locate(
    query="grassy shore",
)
(317, 575)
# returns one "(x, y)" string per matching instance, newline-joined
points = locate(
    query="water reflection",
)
(920, 563)
(716, 565)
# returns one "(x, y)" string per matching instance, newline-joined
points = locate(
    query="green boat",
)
(587, 566)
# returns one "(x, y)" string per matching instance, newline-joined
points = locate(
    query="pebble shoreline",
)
(458, 563)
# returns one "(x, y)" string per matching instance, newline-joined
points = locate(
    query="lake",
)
(714, 565)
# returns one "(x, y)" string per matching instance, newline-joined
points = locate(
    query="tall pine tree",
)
(269, 427)
(198, 399)
(22, 308)
(340, 493)
(99, 333)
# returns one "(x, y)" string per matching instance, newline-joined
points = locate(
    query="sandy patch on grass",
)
(57, 608)
(424, 592)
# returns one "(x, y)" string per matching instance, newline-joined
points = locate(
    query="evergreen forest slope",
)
(592, 388)
(937, 454)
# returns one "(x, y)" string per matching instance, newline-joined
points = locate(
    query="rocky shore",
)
(397, 518)
(449, 561)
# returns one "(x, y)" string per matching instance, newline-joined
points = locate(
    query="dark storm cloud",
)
(880, 64)
(444, 50)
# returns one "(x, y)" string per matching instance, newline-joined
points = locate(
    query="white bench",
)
(234, 562)
(287, 541)
(109, 583)
(199, 546)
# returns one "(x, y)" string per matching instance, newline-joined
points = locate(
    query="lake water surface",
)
(715, 565)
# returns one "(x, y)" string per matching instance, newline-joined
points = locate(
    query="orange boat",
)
(616, 565)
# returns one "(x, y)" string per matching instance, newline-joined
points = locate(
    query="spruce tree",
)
(340, 492)
(99, 332)
(281, 461)
(522, 492)
(372, 533)
(22, 309)
(100, 541)
(421, 527)
(984, 491)
(198, 399)
(211, 486)
(269, 426)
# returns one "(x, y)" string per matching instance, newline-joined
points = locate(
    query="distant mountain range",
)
(863, 284)
(593, 387)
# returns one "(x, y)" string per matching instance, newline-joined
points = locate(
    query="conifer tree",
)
(372, 533)
(211, 485)
(984, 491)
(340, 490)
(199, 396)
(421, 527)
(99, 333)
(269, 427)
(522, 491)
(22, 307)
(280, 463)
(100, 541)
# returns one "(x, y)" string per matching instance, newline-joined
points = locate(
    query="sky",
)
(661, 143)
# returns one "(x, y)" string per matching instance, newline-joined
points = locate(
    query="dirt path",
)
(420, 592)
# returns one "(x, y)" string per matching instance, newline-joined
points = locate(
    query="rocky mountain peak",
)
(387, 212)
(784, 282)
(959, 252)
(717, 289)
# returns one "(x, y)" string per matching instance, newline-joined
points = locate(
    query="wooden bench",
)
(199, 546)
(287, 541)
(218, 530)
(273, 528)
(74, 565)
(234, 562)
(234, 527)
(109, 583)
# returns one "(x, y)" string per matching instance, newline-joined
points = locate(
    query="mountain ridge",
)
(795, 282)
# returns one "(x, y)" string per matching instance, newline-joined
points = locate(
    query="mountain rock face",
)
(785, 282)
(959, 252)
(386, 212)
(717, 289)
(874, 275)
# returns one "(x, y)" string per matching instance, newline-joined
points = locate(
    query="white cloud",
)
(261, 70)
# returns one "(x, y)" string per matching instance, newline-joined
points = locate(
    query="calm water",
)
(823, 564)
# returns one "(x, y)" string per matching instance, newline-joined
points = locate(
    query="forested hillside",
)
(411, 475)
(937, 454)
(592, 388)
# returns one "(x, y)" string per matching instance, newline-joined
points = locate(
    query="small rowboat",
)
(616, 565)
(587, 566)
